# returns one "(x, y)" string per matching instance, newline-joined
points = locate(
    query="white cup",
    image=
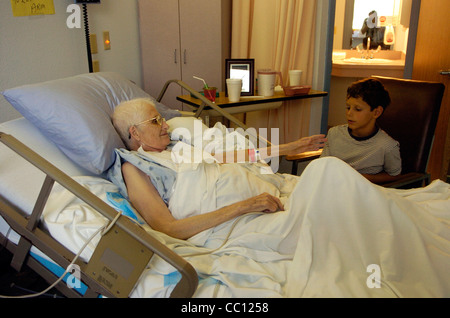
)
(266, 84)
(234, 87)
(295, 77)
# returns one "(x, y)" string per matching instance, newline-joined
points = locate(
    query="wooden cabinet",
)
(430, 58)
(183, 38)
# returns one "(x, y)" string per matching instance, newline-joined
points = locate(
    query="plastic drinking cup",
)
(234, 88)
(210, 93)
(295, 77)
(266, 82)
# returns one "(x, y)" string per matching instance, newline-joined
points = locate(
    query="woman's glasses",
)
(158, 120)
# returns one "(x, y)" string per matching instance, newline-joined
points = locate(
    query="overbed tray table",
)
(246, 103)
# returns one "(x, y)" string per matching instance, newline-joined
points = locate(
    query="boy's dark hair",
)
(371, 91)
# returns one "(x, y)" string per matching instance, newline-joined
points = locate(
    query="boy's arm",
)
(392, 167)
(325, 150)
(331, 138)
(379, 178)
(393, 161)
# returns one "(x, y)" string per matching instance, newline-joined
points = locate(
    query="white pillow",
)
(75, 113)
(186, 129)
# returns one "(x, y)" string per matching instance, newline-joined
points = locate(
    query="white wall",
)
(39, 48)
(120, 18)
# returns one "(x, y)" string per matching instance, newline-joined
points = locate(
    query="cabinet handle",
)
(447, 72)
(175, 56)
(185, 56)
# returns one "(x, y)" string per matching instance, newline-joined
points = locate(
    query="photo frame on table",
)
(243, 69)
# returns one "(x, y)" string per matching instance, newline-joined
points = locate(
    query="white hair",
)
(129, 113)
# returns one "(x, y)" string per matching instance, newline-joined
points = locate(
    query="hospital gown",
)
(215, 186)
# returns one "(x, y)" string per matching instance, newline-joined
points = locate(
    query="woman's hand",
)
(311, 143)
(261, 203)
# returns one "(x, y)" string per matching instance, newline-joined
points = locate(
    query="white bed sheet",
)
(336, 225)
(20, 181)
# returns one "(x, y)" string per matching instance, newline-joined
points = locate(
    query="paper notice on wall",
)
(21, 8)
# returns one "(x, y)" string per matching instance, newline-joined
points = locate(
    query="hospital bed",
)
(59, 152)
(21, 215)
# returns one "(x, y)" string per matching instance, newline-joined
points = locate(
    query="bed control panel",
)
(118, 262)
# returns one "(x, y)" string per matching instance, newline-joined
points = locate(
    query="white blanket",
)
(339, 236)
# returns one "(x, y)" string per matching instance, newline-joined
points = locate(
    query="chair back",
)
(411, 118)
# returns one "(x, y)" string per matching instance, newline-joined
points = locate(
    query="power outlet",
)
(95, 66)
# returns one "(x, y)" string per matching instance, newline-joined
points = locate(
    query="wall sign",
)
(21, 8)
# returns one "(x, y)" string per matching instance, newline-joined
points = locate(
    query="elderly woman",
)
(145, 133)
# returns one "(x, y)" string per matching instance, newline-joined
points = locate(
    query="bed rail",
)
(32, 235)
(207, 103)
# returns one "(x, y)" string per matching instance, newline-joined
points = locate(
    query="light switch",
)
(93, 41)
(106, 40)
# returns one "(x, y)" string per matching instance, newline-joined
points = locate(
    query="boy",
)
(360, 143)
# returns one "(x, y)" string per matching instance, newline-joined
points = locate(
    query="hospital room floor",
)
(26, 282)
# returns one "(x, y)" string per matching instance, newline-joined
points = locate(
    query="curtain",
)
(279, 35)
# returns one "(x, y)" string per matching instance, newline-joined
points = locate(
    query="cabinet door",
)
(431, 57)
(201, 42)
(160, 48)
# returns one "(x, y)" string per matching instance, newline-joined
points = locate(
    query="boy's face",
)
(361, 119)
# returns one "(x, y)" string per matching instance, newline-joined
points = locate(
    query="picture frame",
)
(244, 69)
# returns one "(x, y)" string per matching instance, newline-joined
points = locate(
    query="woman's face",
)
(152, 132)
